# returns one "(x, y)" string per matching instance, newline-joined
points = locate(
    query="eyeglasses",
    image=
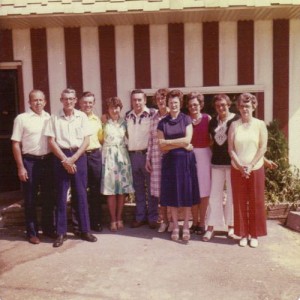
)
(220, 105)
(69, 98)
(194, 105)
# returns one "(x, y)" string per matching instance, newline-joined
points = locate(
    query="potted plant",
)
(282, 191)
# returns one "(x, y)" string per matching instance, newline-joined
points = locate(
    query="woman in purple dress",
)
(179, 183)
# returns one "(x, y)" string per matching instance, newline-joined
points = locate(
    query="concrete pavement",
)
(143, 264)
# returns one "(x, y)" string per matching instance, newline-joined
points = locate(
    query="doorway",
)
(9, 100)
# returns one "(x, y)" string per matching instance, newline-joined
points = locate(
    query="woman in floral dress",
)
(116, 168)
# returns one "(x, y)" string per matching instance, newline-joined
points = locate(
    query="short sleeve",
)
(17, 129)
(187, 120)
(49, 129)
(160, 125)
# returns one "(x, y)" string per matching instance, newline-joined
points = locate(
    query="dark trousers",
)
(94, 167)
(78, 183)
(39, 185)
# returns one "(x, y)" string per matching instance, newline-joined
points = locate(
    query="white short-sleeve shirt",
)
(29, 129)
(69, 132)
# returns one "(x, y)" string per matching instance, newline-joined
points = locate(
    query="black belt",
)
(139, 151)
(92, 151)
(72, 149)
(37, 157)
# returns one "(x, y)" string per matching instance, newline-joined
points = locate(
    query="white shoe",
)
(163, 227)
(230, 233)
(171, 226)
(254, 243)
(243, 242)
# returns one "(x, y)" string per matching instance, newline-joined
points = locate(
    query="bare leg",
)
(164, 214)
(203, 209)
(195, 214)
(174, 214)
(186, 212)
(120, 206)
(112, 207)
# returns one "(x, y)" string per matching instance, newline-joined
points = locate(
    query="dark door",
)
(8, 110)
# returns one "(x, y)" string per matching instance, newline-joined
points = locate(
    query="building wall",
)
(113, 60)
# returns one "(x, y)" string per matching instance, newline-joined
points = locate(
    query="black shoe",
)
(97, 227)
(200, 230)
(50, 234)
(76, 232)
(86, 236)
(59, 240)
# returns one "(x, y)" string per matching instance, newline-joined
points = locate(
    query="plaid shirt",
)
(154, 155)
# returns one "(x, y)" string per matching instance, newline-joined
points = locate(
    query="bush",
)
(283, 183)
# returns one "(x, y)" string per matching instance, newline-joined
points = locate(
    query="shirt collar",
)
(92, 117)
(32, 113)
(145, 111)
(76, 113)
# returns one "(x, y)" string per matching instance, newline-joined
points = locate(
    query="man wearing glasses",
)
(68, 136)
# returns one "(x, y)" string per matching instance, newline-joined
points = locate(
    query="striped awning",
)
(70, 13)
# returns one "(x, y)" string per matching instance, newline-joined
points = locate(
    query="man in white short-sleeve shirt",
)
(35, 165)
(69, 135)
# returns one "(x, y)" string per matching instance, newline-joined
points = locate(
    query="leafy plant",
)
(283, 183)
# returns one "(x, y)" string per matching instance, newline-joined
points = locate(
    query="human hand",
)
(148, 166)
(69, 165)
(22, 174)
(270, 164)
(189, 147)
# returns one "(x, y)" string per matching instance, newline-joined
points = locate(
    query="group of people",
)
(164, 156)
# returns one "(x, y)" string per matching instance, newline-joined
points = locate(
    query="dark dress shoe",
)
(152, 225)
(52, 235)
(76, 232)
(86, 236)
(59, 240)
(136, 224)
(97, 227)
(34, 240)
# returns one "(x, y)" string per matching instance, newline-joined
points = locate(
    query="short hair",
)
(174, 94)
(69, 91)
(138, 91)
(160, 93)
(220, 97)
(34, 91)
(248, 98)
(193, 95)
(113, 102)
(87, 94)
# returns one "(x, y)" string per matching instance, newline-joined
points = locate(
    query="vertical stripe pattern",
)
(176, 55)
(210, 53)
(281, 73)
(40, 62)
(245, 52)
(6, 45)
(56, 66)
(142, 56)
(107, 62)
(73, 59)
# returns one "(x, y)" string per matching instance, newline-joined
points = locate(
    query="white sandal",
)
(207, 236)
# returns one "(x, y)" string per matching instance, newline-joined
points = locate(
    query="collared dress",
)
(116, 166)
(179, 181)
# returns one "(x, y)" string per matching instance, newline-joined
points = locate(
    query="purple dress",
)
(179, 182)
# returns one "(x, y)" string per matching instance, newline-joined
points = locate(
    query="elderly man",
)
(94, 164)
(138, 125)
(35, 164)
(68, 135)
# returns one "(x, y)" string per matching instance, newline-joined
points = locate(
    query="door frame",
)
(16, 65)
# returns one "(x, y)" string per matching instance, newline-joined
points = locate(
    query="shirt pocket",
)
(79, 133)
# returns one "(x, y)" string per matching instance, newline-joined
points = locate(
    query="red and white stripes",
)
(113, 60)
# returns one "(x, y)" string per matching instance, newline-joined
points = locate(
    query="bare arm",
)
(231, 149)
(185, 142)
(22, 172)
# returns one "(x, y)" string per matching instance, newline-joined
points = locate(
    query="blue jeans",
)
(40, 181)
(78, 182)
(146, 206)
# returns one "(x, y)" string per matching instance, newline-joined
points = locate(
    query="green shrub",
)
(283, 183)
